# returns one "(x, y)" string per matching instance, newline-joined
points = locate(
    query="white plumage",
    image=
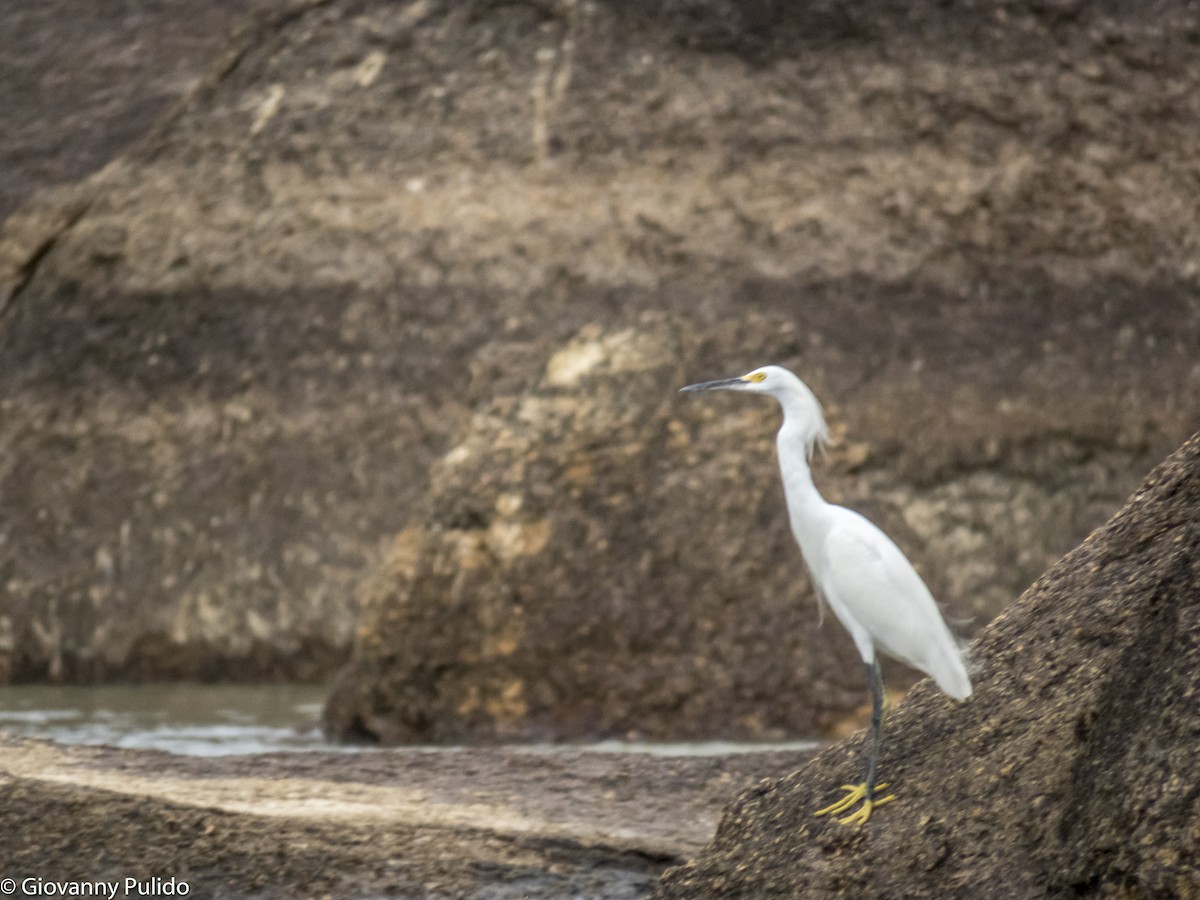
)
(883, 603)
(869, 584)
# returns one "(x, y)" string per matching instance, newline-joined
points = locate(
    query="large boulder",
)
(228, 361)
(597, 556)
(1072, 770)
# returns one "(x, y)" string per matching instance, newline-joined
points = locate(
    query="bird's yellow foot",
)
(854, 794)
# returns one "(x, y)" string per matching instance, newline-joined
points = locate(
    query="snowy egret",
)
(867, 582)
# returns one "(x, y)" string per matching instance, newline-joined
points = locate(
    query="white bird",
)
(864, 577)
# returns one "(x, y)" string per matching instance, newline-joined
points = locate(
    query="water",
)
(223, 719)
(195, 719)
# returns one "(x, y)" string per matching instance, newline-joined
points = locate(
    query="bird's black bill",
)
(721, 384)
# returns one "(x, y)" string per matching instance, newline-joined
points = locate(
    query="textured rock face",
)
(79, 81)
(599, 555)
(574, 571)
(227, 364)
(1071, 771)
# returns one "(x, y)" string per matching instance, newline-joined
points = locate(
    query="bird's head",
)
(801, 409)
(773, 380)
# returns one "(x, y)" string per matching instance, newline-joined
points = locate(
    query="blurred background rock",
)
(363, 342)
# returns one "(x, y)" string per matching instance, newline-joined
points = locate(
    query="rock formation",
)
(577, 571)
(228, 361)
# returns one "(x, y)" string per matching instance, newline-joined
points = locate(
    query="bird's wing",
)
(886, 597)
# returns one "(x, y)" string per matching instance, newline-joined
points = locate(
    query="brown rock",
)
(81, 81)
(577, 572)
(222, 381)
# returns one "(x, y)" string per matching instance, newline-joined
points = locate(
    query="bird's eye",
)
(757, 377)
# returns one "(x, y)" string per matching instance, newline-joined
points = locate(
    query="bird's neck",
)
(803, 420)
(802, 494)
(808, 511)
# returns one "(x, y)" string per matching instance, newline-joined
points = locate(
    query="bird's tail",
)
(951, 672)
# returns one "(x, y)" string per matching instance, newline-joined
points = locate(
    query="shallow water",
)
(223, 719)
(195, 719)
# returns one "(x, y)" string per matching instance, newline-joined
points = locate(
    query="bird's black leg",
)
(865, 792)
(875, 678)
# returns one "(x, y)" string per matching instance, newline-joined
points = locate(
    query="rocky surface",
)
(81, 81)
(598, 555)
(578, 567)
(467, 823)
(569, 574)
(1070, 772)
(228, 363)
